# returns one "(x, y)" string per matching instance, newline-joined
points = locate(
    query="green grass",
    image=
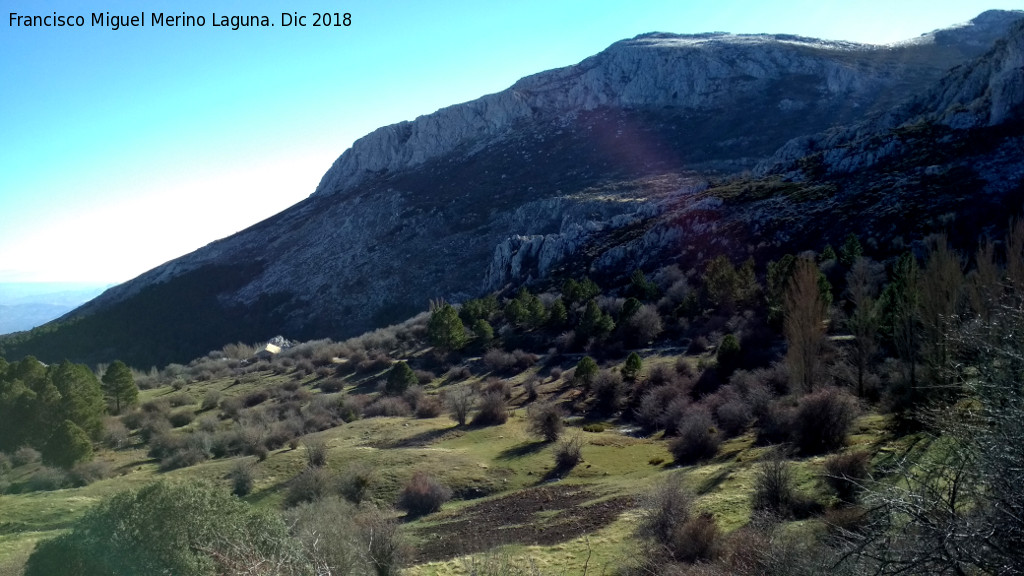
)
(480, 464)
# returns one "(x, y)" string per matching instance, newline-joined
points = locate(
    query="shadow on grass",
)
(520, 450)
(713, 481)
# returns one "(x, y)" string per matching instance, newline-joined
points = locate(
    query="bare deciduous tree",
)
(804, 324)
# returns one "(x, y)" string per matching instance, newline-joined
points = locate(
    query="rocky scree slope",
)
(568, 169)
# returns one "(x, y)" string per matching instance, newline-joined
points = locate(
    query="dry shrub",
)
(255, 398)
(85, 473)
(429, 407)
(316, 452)
(115, 433)
(666, 520)
(846, 473)
(310, 485)
(356, 483)
(608, 391)
(459, 402)
(498, 386)
(231, 406)
(545, 420)
(423, 494)
(698, 438)
(775, 422)
(183, 458)
(375, 362)
(492, 410)
(154, 425)
(387, 406)
(823, 420)
(774, 490)
(47, 478)
(424, 377)
(663, 509)
(181, 418)
(161, 406)
(508, 362)
(697, 539)
(846, 521)
(530, 387)
(556, 373)
(210, 400)
(179, 399)
(733, 417)
(331, 385)
(242, 477)
(568, 453)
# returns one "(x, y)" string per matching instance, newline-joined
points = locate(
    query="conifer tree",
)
(119, 386)
(445, 329)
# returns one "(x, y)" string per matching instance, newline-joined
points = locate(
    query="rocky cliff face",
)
(598, 166)
(985, 92)
(694, 73)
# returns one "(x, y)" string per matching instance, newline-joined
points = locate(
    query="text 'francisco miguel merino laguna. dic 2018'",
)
(161, 19)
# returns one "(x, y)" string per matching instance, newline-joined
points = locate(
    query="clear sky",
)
(122, 149)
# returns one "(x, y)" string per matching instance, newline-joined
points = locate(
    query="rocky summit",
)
(664, 144)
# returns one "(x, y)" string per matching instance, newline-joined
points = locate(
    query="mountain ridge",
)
(541, 190)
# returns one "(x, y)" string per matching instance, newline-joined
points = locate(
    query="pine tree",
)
(81, 397)
(634, 364)
(586, 371)
(119, 386)
(400, 378)
(445, 329)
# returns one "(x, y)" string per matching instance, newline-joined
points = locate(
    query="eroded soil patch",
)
(544, 515)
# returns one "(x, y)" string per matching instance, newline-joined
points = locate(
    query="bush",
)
(733, 417)
(664, 509)
(242, 477)
(47, 478)
(231, 406)
(775, 422)
(331, 385)
(775, 493)
(356, 483)
(642, 326)
(492, 410)
(423, 494)
(309, 486)
(545, 420)
(387, 406)
(210, 400)
(429, 407)
(459, 402)
(607, 390)
(568, 453)
(823, 420)
(508, 362)
(85, 473)
(316, 452)
(181, 418)
(697, 539)
(179, 399)
(183, 458)
(846, 473)
(186, 529)
(115, 433)
(698, 439)
(255, 398)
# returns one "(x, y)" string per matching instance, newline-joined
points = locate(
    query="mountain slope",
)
(590, 167)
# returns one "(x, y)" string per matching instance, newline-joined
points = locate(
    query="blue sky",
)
(120, 150)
